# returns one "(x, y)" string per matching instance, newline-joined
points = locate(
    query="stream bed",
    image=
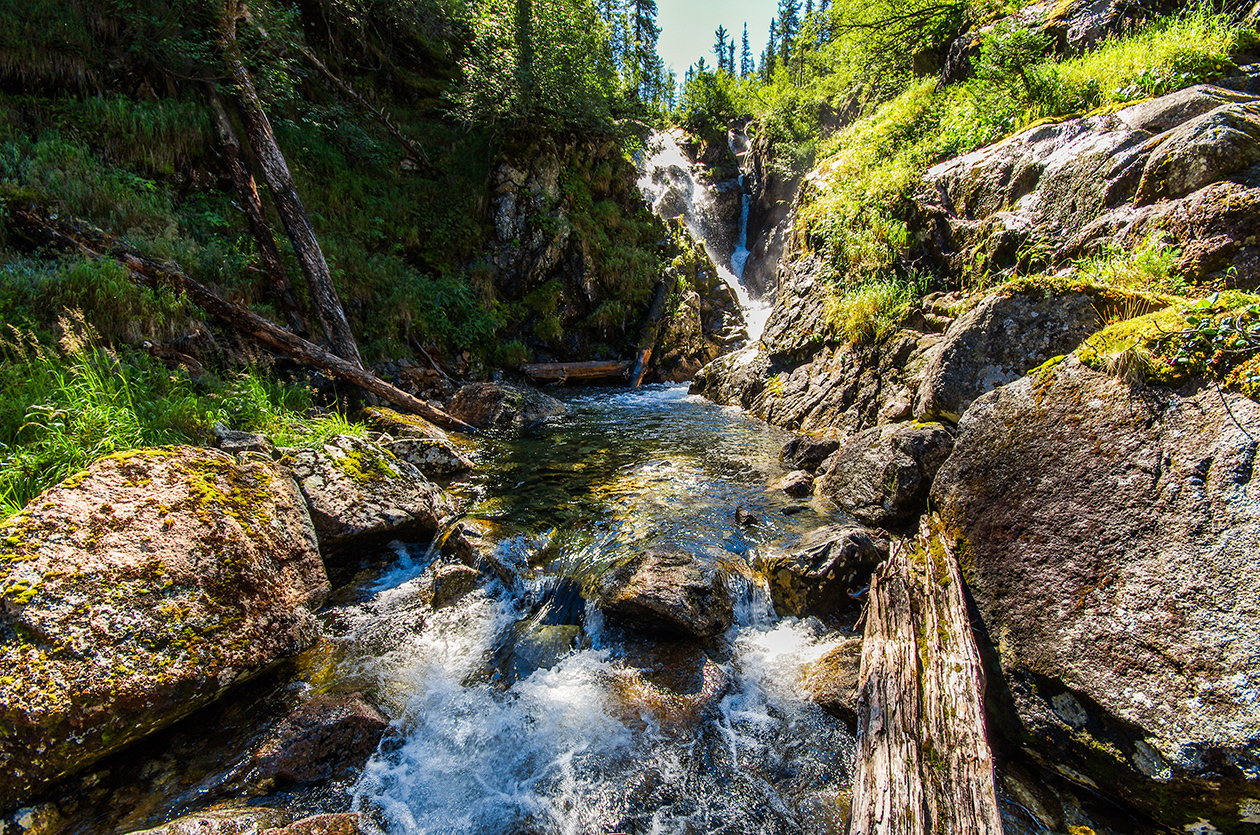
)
(519, 710)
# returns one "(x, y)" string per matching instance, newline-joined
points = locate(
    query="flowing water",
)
(519, 710)
(670, 183)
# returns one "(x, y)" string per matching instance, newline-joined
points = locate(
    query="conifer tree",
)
(789, 26)
(745, 56)
(645, 73)
(719, 47)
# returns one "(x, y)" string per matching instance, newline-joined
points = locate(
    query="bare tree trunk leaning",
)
(292, 213)
(651, 329)
(152, 273)
(247, 194)
(924, 763)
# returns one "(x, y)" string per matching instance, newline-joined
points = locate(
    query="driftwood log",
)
(924, 762)
(576, 372)
(62, 235)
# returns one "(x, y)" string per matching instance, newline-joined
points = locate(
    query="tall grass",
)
(64, 406)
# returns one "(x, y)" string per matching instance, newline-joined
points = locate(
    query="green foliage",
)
(874, 309)
(63, 407)
(1151, 267)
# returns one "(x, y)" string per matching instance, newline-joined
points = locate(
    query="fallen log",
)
(152, 273)
(575, 372)
(651, 329)
(924, 762)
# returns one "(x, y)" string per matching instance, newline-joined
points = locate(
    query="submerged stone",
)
(500, 406)
(668, 590)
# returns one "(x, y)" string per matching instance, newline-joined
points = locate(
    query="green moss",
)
(366, 466)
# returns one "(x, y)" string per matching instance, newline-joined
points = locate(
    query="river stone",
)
(138, 591)
(882, 475)
(402, 426)
(668, 590)
(361, 494)
(249, 821)
(817, 576)
(500, 406)
(451, 583)
(342, 823)
(831, 682)
(324, 738)
(798, 484)
(1111, 541)
(432, 457)
(487, 547)
(671, 685)
(1001, 340)
(806, 453)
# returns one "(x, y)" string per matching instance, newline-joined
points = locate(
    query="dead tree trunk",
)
(576, 372)
(251, 205)
(61, 235)
(292, 213)
(651, 329)
(924, 763)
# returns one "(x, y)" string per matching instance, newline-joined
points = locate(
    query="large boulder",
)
(323, 738)
(881, 476)
(500, 406)
(138, 591)
(818, 575)
(1000, 340)
(668, 590)
(1111, 535)
(832, 681)
(362, 494)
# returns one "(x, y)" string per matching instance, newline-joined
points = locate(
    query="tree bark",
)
(563, 372)
(288, 204)
(924, 762)
(651, 330)
(251, 205)
(152, 273)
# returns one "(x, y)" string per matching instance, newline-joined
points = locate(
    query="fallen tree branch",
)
(564, 372)
(152, 273)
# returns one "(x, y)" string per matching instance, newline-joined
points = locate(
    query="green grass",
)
(872, 310)
(66, 405)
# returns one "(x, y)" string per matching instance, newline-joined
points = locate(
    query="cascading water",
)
(669, 183)
(520, 712)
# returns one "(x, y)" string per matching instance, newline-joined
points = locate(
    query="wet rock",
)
(451, 583)
(326, 738)
(431, 457)
(243, 821)
(483, 545)
(1121, 586)
(671, 685)
(806, 453)
(668, 590)
(138, 591)
(745, 519)
(535, 646)
(798, 483)
(43, 819)
(999, 341)
(402, 426)
(500, 406)
(360, 494)
(344, 823)
(882, 475)
(832, 681)
(818, 576)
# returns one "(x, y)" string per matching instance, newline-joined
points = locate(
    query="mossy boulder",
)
(1110, 536)
(500, 406)
(399, 425)
(361, 495)
(138, 591)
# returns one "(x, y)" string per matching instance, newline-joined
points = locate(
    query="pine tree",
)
(770, 57)
(719, 47)
(745, 56)
(645, 76)
(789, 26)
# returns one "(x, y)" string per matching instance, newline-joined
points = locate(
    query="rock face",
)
(500, 406)
(832, 681)
(882, 475)
(325, 738)
(431, 457)
(138, 591)
(667, 590)
(360, 494)
(1003, 338)
(1114, 550)
(1181, 166)
(817, 576)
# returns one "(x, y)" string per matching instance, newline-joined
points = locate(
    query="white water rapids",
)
(669, 183)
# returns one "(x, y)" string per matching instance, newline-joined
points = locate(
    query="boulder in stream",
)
(1110, 535)
(882, 475)
(361, 494)
(832, 681)
(138, 591)
(668, 590)
(324, 738)
(500, 406)
(817, 577)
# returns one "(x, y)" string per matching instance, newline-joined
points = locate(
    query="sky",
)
(687, 28)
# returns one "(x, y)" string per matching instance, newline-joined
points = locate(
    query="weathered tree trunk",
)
(651, 330)
(564, 372)
(292, 213)
(247, 194)
(151, 273)
(925, 765)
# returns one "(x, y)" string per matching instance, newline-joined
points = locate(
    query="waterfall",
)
(669, 182)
